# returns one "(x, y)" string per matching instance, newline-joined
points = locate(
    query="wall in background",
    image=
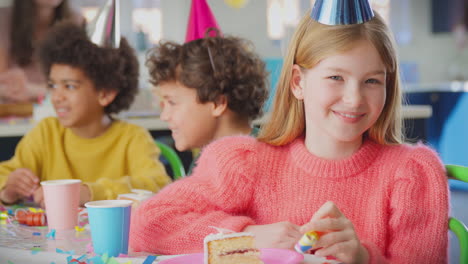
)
(433, 54)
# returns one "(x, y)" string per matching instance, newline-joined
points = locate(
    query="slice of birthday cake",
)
(231, 248)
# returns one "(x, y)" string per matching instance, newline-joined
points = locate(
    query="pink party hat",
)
(201, 18)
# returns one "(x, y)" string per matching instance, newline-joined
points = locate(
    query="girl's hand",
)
(277, 235)
(20, 184)
(339, 238)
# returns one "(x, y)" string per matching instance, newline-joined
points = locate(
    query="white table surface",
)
(18, 256)
(18, 241)
(18, 129)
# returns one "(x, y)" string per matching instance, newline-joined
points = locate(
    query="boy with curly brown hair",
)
(209, 88)
(88, 84)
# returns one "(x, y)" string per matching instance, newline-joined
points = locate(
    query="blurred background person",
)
(22, 27)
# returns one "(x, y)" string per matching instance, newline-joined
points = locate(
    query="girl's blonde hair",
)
(311, 43)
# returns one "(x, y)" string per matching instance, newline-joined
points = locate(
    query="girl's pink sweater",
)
(396, 197)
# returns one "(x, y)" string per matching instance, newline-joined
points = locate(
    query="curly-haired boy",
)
(88, 84)
(209, 88)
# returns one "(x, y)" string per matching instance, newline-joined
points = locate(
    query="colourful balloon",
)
(236, 3)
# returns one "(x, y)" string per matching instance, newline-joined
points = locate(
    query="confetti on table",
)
(36, 233)
(95, 260)
(34, 251)
(51, 234)
(149, 259)
(89, 248)
(35, 210)
(70, 252)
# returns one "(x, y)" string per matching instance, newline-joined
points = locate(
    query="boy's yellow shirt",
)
(124, 157)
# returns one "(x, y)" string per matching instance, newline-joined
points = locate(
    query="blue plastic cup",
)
(110, 226)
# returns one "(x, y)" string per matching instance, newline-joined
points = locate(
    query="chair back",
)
(171, 156)
(460, 173)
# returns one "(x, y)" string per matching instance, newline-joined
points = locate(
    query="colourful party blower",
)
(62, 198)
(110, 226)
(307, 241)
(201, 18)
(342, 12)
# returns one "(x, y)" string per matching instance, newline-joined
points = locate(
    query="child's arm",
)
(418, 227)
(145, 171)
(19, 175)
(218, 193)
(20, 183)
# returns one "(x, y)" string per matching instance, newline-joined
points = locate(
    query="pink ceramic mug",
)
(61, 198)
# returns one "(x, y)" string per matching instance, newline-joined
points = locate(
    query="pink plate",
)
(269, 256)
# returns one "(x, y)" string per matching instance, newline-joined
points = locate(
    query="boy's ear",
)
(297, 82)
(105, 97)
(219, 106)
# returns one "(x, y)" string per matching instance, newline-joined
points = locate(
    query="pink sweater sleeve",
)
(418, 224)
(218, 193)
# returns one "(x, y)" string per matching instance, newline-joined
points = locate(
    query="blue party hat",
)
(342, 12)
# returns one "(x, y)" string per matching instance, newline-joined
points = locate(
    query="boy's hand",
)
(85, 194)
(39, 197)
(277, 235)
(340, 239)
(21, 183)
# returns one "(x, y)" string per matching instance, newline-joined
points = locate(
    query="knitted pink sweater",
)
(396, 197)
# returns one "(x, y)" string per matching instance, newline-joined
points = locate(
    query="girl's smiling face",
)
(344, 94)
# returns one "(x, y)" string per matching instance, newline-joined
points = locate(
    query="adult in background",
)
(22, 27)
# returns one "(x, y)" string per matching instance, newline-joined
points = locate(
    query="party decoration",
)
(307, 241)
(201, 18)
(149, 259)
(104, 30)
(61, 251)
(342, 12)
(27, 217)
(236, 3)
(51, 234)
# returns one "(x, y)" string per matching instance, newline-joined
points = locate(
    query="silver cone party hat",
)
(342, 12)
(104, 30)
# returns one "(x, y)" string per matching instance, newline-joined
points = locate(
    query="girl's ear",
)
(297, 82)
(220, 106)
(105, 97)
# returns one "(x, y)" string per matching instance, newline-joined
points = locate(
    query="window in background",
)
(147, 22)
(141, 20)
(275, 24)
